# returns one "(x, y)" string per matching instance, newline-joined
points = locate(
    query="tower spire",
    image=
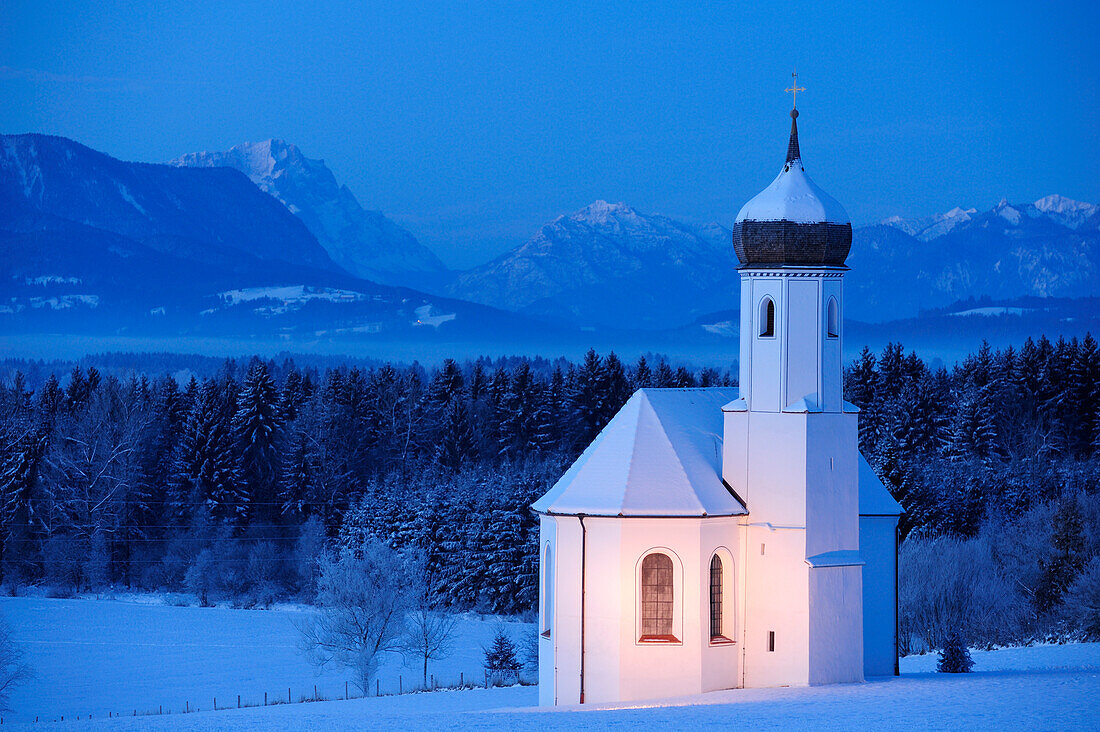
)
(792, 145)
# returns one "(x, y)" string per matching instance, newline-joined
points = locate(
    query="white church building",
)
(723, 538)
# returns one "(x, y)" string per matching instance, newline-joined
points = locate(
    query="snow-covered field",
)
(117, 656)
(94, 656)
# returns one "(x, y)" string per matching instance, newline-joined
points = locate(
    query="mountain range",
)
(1050, 248)
(260, 239)
(91, 244)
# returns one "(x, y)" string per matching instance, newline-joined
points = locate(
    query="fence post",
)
(486, 678)
(315, 692)
(265, 698)
(215, 704)
(377, 684)
(238, 701)
(400, 684)
(186, 708)
(345, 690)
(288, 695)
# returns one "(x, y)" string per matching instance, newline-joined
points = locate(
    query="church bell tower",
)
(790, 444)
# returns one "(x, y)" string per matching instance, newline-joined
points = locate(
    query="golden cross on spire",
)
(794, 88)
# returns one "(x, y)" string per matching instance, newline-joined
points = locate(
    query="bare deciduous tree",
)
(428, 633)
(13, 668)
(361, 603)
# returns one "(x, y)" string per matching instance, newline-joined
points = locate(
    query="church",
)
(723, 538)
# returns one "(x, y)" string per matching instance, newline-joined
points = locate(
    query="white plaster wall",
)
(832, 363)
(547, 660)
(776, 470)
(745, 335)
(802, 359)
(605, 582)
(776, 592)
(655, 670)
(876, 539)
(735, 453)
(836, 625)
(720, 662)
(559, 656)
(766, 358)
(832, 482)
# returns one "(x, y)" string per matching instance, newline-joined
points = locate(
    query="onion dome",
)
(792, 222)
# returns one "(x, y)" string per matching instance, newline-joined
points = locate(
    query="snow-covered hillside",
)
(102, 656)
(365, 243)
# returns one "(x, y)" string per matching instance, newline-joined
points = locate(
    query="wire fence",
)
(402, 684)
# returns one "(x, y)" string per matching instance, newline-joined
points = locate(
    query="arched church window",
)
(716, 598)
(767, 318)
(547, 591)
(833, 319)
(657, 598)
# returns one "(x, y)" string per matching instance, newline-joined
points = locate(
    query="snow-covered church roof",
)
(661, 455)
(874, 499)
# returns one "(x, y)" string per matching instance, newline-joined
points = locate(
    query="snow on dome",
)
(793, 197)
(661, 455)
(792, 222)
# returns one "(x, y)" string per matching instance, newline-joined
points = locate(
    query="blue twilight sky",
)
(472, 123)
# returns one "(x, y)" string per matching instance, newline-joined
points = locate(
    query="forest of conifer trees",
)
(230, 486)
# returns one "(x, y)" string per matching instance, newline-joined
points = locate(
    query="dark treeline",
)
(995, 464)
(231, 486)
(999, 433)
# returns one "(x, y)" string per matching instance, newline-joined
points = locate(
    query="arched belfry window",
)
(547, 591)
(833, 319)
(767, 318)
(657, 598)
(716, 598)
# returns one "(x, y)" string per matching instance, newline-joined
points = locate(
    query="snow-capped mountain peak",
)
(609, 264)
(365, 243)
(1066, 211)
(931, 227)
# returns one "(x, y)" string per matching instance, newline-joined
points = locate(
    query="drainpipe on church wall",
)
(583, 547)
(897, 594)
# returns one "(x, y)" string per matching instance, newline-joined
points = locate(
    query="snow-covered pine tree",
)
(205, 478)
(588, 399)
(1067, 557)
(501, 662)
(19, 486)
(455, 443)
(955, 656)
(257, 427)
(616, 387)
(642, 376)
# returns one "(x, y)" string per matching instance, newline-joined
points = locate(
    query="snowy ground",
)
(110, 656)
(99, 655)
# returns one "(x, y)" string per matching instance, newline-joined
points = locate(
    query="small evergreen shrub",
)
(500, 658)
(955, 656)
